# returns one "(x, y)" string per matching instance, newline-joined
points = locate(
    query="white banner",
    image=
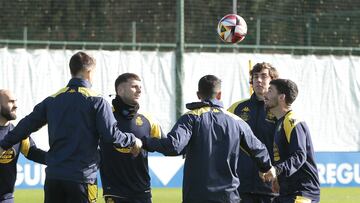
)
(35, 74)
(329, 86)
(329, 90)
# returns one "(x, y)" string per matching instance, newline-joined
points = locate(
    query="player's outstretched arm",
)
(106, 125)
(176, 140)
(31, 152)
(31, 123)
(255, 148)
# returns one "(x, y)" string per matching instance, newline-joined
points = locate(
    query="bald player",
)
(10, 157)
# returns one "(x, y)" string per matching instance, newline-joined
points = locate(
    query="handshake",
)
(270, 176)
(136, 148)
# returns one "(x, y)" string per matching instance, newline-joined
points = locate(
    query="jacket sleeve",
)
(297, 151)
(107, 128)
(30, 151)
(255, 148)
(31, 123)
(176, 140)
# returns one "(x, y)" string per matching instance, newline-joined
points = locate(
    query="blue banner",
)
(336, 169)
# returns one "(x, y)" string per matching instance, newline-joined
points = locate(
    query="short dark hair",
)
(273, 73)
(124, 78)
(208, 86)
(79, 62)
(287, 87)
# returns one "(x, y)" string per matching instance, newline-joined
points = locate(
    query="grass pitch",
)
(173, 195)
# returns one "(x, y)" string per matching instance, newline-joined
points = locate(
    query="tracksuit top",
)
(76, 118)
(262, 123)
(294, 158)
(210, 137)
(9, 160)
(123, 175)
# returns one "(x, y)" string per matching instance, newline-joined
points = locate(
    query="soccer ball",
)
(232, 28)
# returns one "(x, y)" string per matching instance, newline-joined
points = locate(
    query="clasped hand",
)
(269, 176)
(136, 148)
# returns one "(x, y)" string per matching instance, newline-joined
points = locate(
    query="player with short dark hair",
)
(9, 159)
(210, 138)
(252, 189)
(79, 62)
(125, 179)
(294, 158)
(126, 77)
(77, 118)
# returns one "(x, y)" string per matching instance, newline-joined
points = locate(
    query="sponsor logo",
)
(339, 173)
(123, 150)
(276, 153)
(30, 175)
(341, 170)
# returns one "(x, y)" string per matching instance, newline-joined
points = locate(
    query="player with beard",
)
(77, 118)
(294, 158)
(252, 189)
(10, 157)
(126, 178)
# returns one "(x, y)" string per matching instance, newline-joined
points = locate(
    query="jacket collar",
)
(204, 103)
(123, 109)
(255, 99)
(78, 82)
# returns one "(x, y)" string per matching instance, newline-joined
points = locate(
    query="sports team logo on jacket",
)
(8, 156)
(245, 113)
(292, 122)
(139, 121)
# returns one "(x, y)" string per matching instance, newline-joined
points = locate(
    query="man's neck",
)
(4, 122)
(78, 76)
(259, 97)
(279, 111)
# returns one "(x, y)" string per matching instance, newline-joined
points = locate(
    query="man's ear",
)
(218, 95)
(120, 89)
(198, 95)
(282, 97)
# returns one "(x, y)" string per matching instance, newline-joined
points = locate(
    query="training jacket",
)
(123, 175)
(77, 118)
(210, 137)
(294, 159)
(9, 160)
(262, 123)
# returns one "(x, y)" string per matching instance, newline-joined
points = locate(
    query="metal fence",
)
(307, 27)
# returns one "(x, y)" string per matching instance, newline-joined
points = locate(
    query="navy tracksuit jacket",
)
(295, 160)
(262, 123)
(210, 137)
(123, 175)
(9, 160)
(77, 118)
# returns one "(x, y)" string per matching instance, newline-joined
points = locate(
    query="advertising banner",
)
(336, 169)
